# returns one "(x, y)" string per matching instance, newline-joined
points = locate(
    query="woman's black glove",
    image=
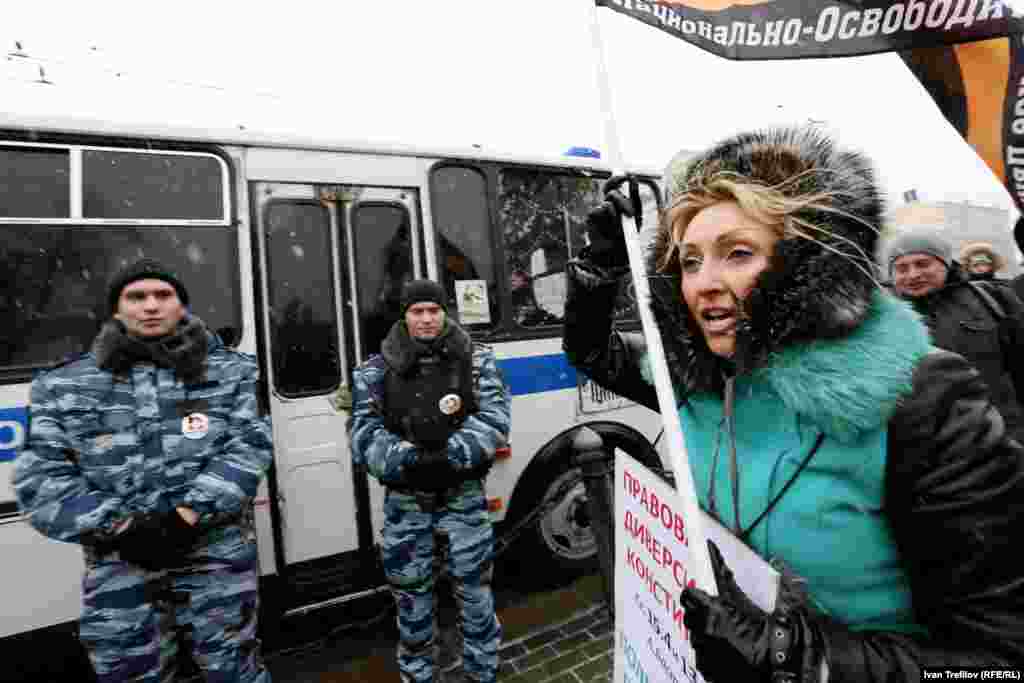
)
(604, 228)
(734, 639)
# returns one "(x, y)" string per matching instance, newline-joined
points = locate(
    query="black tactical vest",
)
(434, 396)
(428, 403)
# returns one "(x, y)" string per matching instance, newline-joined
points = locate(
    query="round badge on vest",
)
(195, 426)
(450, 404)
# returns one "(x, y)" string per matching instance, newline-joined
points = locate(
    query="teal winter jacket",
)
(828, 526)
(902, 522)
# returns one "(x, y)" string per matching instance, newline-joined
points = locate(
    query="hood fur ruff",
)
(812, 289)
(851, 385)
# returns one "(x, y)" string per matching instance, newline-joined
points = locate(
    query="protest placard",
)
(654, 560)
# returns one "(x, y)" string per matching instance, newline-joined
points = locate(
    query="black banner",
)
(1013, 122)
(967, 54)
(795, 29)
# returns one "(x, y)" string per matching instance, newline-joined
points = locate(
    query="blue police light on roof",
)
(583, 152)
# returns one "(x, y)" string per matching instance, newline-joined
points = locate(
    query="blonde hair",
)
(777, 207)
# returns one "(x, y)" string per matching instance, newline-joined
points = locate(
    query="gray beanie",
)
(921, 242)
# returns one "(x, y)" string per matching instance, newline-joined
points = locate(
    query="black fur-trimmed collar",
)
(401, 351)
(185, 351)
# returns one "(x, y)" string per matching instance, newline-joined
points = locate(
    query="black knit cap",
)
(143, 269)
(418, 291)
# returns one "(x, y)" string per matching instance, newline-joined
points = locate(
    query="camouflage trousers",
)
(133, 619)
(411, 523)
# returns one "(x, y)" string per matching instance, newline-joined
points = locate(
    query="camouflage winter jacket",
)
(387, 455)
(101, 448)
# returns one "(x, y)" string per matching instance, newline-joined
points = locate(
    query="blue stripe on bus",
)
(13, 426)
(529, 375)
(536, 374)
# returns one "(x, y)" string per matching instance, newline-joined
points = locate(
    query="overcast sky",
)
(510, 75)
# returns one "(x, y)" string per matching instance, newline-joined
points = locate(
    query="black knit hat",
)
(418, 291)
(143, 269)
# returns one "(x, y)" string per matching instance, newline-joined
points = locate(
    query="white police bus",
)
(294, 250)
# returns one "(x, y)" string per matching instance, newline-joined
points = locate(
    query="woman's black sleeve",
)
(955, 499)
(610, 358)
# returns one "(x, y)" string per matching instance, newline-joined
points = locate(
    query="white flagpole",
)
(656, 354)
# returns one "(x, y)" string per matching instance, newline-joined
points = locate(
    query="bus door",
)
(381, 225)
(306, 361)
(333, 259)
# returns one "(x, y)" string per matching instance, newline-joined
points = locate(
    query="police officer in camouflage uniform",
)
(428, 413)
(148, 451)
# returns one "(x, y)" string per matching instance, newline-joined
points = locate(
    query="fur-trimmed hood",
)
(813, 289)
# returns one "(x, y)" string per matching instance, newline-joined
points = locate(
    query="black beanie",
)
(143, 269)
(418, 291)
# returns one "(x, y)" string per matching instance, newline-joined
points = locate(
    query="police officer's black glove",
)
(734, 639)
(143, 543)
(180, 535)
(431, 471)
(607, 247)
(430, 434)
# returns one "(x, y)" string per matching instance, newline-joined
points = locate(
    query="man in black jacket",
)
(1018, 234)
(980, 321)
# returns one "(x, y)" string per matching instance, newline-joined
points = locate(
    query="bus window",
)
(465, 250)
(54, 283)
(34, 183)
(300, 286)
(383, 264)
(124, 184)
(542, 216)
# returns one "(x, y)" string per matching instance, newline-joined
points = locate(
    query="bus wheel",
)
(559, 546)
(565, 530)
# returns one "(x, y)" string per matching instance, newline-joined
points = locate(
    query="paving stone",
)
(563, 663)
(572, 642)
(596, 647)
(534, 658)
(511, 652)
(581, 623)
(543, 638)
(565, 678)
(602, 664)
(535, 675)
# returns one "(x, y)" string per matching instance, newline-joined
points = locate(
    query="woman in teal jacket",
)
(821, 425)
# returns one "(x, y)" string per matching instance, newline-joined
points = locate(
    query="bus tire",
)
(560, 546)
